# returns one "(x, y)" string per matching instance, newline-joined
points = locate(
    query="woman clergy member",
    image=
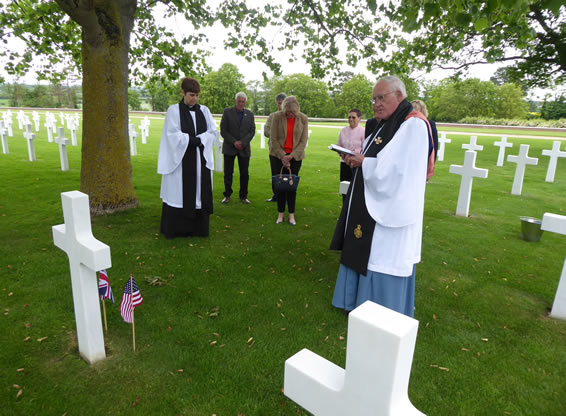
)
(289, 135)
(185, 162)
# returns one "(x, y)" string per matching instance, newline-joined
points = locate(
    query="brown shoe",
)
(226, 200)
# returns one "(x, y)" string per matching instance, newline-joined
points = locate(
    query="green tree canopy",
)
(312, 94)
(355, 93)
(510, 102)
(219, 88)
(452, 100)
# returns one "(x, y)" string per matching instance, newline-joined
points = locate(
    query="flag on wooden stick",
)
(130, 299)
(104, 289)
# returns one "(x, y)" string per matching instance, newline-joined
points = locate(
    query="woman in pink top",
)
(352, 138)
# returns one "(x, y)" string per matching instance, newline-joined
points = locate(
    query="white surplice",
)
(394, 185)
(172, 149)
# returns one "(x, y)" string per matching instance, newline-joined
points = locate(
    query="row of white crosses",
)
(7, 118)
(133, 135)
(469, 171)
(72, 122)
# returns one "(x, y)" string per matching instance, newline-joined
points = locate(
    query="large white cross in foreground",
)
(379, 355)
(502, 144)
(554, 154)
(86, 256)
(442, 140)
(557, 224)
(468, 173)
(473, 144)
(522, 159)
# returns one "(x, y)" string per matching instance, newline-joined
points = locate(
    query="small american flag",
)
(104, 289)
(130, 299)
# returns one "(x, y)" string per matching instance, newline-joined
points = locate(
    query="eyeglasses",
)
(381, 97)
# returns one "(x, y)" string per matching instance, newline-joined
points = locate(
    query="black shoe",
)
(272, 199)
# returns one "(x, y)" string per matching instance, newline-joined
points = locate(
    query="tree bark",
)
(106, 169)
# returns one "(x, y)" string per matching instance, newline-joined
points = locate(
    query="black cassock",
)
(189, 221)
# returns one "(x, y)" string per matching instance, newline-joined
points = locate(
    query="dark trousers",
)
(285, 198)
(345, 172)
(243, 166)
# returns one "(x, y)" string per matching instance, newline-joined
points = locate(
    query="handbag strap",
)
(290, 174)
(281, 172)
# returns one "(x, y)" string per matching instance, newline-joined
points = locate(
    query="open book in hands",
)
(341, 150)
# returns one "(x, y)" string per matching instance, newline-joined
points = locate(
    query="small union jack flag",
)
(104, 289)
(130, 299)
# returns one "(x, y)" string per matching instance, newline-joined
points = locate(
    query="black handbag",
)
(285, 182)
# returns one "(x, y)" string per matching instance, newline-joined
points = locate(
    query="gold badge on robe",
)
(358, 232)
(378, 140)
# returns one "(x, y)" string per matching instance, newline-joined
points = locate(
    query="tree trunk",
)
(106, 169)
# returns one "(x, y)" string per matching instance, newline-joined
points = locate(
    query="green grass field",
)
(222, 314)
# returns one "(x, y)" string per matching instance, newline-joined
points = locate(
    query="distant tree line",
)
(449, 100)
(40, 96)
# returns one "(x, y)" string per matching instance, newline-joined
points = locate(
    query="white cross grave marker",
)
(30, 137)
(73, 130)
(261, 136)
(62, 142)
(48, 126)
(379, 355)
(35, 117)
(133, 135)
(502, 144)
(218, 157)
(20, 118)
(4, 137)
(557, 224)
(86, 256)
(468, 173)
(521, 160)
(554, 154)
(442, 140)
(62, 117)
(144, 129)
(473, 144)
(7, 116)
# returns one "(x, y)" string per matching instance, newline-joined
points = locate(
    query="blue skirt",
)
(393, 292)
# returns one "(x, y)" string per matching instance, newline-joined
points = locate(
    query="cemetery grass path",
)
(222, 314)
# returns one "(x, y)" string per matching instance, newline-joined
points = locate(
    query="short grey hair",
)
(280, 97)
(241, 94)
(395, 83)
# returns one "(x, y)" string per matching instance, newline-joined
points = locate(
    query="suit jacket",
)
(232, 129)
(278, 135)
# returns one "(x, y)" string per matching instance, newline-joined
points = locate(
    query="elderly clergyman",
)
(380, 227)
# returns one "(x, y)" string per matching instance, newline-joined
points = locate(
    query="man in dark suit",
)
(237, 128)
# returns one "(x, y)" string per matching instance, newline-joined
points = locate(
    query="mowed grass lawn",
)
(222, 314)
